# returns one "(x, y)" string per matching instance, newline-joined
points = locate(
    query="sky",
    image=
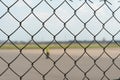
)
(11, 26)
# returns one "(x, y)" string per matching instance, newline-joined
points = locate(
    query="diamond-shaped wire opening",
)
(32, 75)
(95, 50)
(3, 10)
(75, 51)
(32, 53)
(20, 65)
(3, 66)
(64, 12)
(8, 54)
(103, 38)
(83, 11)
(104, 62)
(95, 73)
(9, 3)
(8, 24)
(64, 36)
(43, 11)
(94, 26)
(74, 25)
(21, 41)
(54, 25)
(75, 74)
(104, 14)
(84, 38)
(113, 73)
(43, 65)
(32, 3)
(65, 63)
(109, 26)
(20, 8)
(32, 24)
(85, 62)
(43, 38)
(55, 52)
(9, 75)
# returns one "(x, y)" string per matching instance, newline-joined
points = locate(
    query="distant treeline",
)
(62, 42)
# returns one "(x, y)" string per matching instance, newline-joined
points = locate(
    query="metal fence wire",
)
(71, 29)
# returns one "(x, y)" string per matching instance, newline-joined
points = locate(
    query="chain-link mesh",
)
(82, 37)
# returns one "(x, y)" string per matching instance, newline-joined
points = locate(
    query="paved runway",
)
(86, 62)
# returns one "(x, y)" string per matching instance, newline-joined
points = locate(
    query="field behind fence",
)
(59, 40)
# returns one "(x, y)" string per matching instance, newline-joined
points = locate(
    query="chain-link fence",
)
(59, 40)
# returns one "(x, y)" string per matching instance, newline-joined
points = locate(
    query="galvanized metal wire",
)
(9, 10)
